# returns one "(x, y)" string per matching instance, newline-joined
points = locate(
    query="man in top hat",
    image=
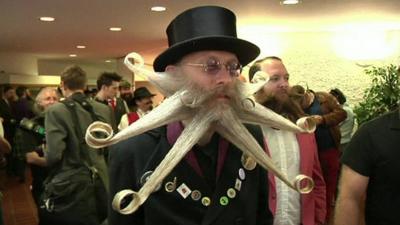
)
(143, 103)
(211, 184)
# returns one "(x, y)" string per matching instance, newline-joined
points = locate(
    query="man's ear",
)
(170, 69)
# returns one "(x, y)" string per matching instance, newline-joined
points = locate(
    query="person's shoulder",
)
(57, 107)
(97, 104)
(141, 142)
(383, 120)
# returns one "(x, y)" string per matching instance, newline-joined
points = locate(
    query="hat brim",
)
(143, 96)
(245, 51)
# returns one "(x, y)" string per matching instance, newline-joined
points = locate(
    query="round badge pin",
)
(206, 201)
(224, 200)
(196, 195)
(145, 177)
(248, 163)
(242, 174)
(231, 193)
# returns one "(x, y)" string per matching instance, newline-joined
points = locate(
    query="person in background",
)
(108, 86)
(349, 125)
(31, 141)
(293, 153)
(67, 155)
(370, 174)
(143, 104)
(9, 123)
(126, 93)
(328, 114)
(23, 107)
(5, 148)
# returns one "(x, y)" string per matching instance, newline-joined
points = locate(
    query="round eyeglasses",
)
(213, 67)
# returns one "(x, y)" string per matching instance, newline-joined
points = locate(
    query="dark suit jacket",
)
(130, 159)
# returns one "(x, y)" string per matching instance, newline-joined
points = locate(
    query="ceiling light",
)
(80, 46)
(72, 55)
(47, 19)
(108, 61)
(290, 2)
(158, 8)
(115, 28)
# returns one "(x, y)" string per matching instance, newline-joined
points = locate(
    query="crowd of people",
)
(72, 183)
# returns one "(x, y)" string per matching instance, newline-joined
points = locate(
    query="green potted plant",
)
(383, 95)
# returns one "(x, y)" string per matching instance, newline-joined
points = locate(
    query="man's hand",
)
(32, 157)
(318, 119)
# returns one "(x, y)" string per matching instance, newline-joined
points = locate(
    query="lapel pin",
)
(248, 162)
(145, 177)
(206, 201)
(238, 184)
(184, 190)
(231, 193)
(224, 201)
(196, 195)
(242, 174)
(170, 186)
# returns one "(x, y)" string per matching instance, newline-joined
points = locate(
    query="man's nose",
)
(224, 77)
(284, 84)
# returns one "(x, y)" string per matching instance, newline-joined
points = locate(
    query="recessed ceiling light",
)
(115, 28)
(80, 46)
(108, 61)
(290, 2)
(47, 19)
(158, 8)
(72, 55)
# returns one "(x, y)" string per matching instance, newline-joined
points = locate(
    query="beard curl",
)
(222, 109)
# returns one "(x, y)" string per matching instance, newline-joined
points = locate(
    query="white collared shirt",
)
(124, 123)
(141, 113)
(284, 149)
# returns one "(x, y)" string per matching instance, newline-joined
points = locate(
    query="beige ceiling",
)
(86, 22)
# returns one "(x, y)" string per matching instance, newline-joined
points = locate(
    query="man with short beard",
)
(125, 92)
(143, 101)
(211, 185)
(293, 153)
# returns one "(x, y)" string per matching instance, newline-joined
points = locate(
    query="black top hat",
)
(204, 28)
(142, 92)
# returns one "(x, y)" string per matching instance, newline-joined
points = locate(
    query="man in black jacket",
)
(212, 184)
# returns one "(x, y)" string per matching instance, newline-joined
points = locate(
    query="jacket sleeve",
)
(319, 189)
(56, 133)
(121, 173)
(334, 114)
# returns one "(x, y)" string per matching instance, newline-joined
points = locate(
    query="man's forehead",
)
(273, 67)
(115, 84)
(223, 55)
